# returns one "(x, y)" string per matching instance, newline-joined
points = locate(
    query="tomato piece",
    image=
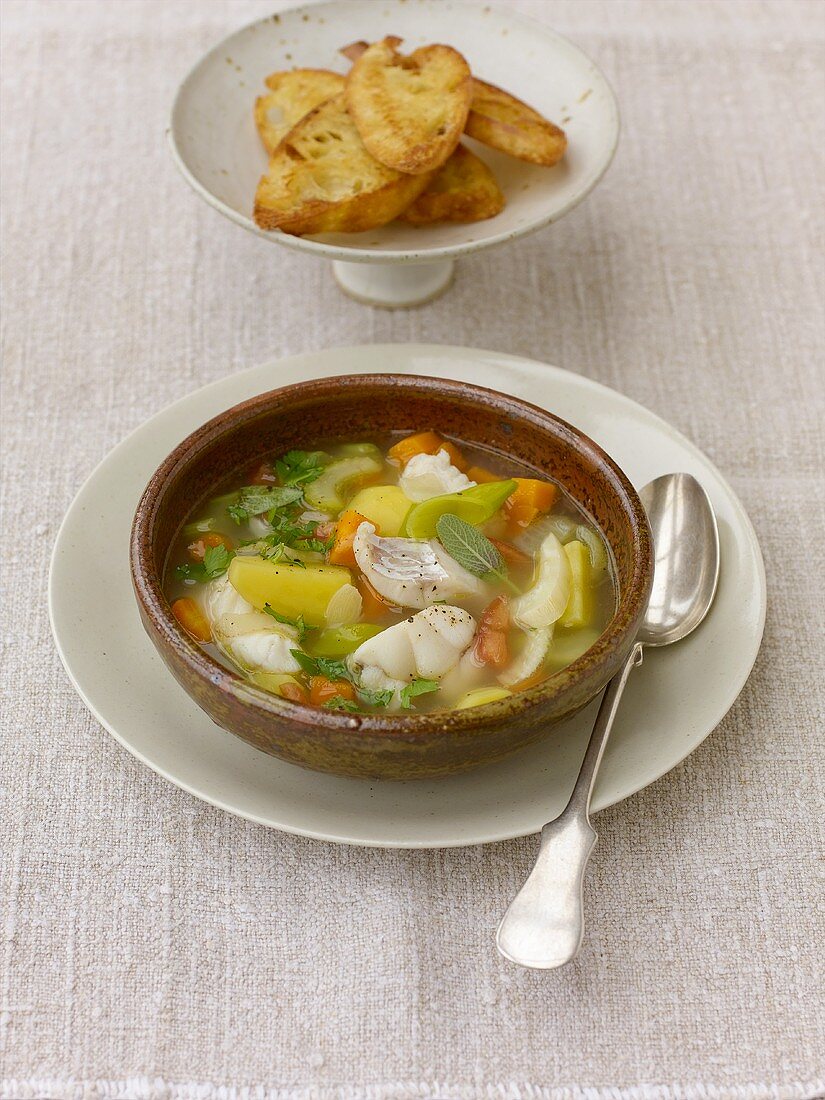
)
(491, 646)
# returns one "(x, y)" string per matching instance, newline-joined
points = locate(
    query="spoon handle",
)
(544, 924)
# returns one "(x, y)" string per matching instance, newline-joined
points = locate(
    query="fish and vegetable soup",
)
(421, 575)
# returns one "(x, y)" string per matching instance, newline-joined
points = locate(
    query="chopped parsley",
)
(323, 666)
(375, 698)
(298, 623)
(215, 563)
(301, 467)
(338, 702)
(288, 531)
(416, 687)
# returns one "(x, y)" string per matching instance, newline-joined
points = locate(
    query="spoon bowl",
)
(686, 556)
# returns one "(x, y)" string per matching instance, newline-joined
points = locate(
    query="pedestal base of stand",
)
(393, 286)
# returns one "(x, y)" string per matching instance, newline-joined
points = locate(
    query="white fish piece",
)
(264, 651)
(543, 603)
(530, 658)
(233, 626)
(411, 572)
(425, 646)
(220, 598)
(252, 639)
(427, 476)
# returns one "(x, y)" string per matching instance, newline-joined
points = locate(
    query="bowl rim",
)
(154, 605)
(360, 254)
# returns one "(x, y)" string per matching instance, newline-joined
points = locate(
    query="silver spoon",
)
(544, 925)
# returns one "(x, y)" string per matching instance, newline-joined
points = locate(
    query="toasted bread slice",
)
(322, 179)
(410, 111)
(462, 190)
(292, 95)
(504, 122)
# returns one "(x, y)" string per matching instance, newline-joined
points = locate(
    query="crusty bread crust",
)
(292, 95)
(321, 179)
(503, 122)
(410, 111)
(463, 190)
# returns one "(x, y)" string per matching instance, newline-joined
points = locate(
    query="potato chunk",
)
(288, 589)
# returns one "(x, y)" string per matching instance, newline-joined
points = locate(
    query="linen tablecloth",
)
(155, 947)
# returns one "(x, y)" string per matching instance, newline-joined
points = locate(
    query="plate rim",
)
(411, 349)
(357, 254)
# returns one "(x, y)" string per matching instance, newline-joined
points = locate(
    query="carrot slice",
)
(198, 548)
(426, 443)
(491, 640)
(322, 689)
(456, 457)
(192, 619)
(341, 552)
(423, 443)
(531, 499)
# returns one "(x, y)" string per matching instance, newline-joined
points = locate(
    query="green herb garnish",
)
(471, 549)
(323, 666)
(289, 531)
(215, 563)
(254, 500)
(338, 702)
(416, 687)
(301, 467)
(375, 698)
(298, 623)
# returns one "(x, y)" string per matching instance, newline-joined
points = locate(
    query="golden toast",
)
(503, 122)
(292, 95)
(321, 179)
(462, 190)
(410, 110)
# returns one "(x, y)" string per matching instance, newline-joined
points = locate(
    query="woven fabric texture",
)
(155, 948)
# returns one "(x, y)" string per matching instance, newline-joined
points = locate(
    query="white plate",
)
(672, 703)
(217, 149)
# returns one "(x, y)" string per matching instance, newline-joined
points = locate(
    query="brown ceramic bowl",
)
(353, 407)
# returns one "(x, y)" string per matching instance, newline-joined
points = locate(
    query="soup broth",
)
(407, 574)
